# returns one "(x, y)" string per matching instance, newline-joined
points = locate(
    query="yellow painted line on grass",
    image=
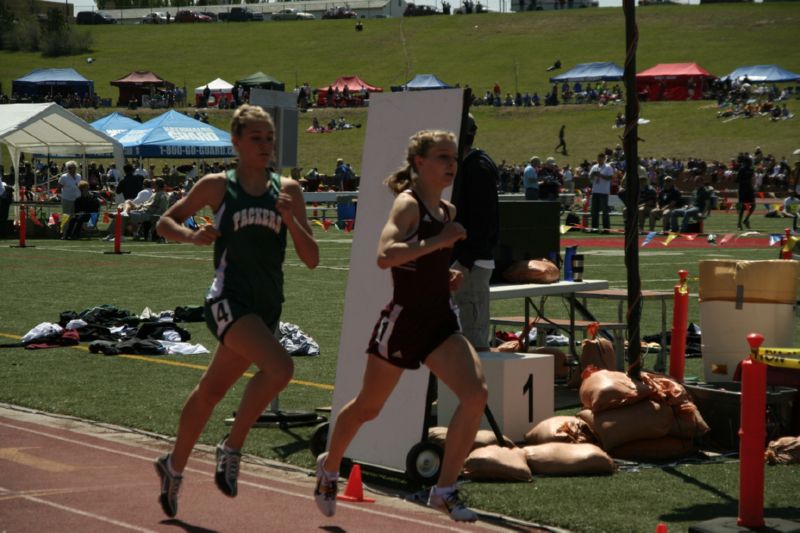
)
(194, 366)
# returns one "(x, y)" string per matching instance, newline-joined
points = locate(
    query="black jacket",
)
(475, 198)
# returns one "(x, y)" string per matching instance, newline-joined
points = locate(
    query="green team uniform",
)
(248, 258)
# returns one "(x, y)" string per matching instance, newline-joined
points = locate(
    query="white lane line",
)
(73, 510)
(241, 482)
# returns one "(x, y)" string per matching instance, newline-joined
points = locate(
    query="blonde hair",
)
(418, 145)
(83, 185)
(248, 114)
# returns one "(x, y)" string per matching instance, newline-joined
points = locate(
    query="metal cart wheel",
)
(424, 462)
(319, 439)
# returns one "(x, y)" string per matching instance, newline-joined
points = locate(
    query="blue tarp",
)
(602, 71)
(422, 82)
(763, 74)
(115, 125)
(173, 134)
(49, 81)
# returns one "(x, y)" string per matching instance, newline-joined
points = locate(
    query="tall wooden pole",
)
(630, 141)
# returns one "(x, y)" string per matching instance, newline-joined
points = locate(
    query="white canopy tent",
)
(218, 88)
(52, 130)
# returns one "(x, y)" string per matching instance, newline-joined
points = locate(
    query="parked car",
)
(94, 17)
(211, 15)
(292, 14)
(156, 17)
(339, 13)
(241, 14)
(184, 15)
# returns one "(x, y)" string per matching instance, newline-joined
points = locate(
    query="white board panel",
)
(392, 119)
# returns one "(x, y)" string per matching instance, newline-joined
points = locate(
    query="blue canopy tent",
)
(49, 82)
(422, 82)
(763, 74)
(600, 71)
(115, 124)
(174, 135)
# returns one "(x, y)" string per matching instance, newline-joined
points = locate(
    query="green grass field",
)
(147, 393)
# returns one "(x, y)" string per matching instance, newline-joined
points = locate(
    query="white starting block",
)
(520, 392)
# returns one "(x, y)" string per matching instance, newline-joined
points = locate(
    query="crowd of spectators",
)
(744, 99)
(577, 93)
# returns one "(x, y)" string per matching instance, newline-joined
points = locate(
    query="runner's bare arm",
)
(292, 208)
(403, 220)
(208, 191)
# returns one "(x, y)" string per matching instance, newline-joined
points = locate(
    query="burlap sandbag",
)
(484, 437)
(663, 449)
(687, 421)
(561, 360)
(560, 429)
(564, 459)
(606, 389)
(532, 271)
(437, 435)
(615, 427)
(595, 353)
(495, 463)
(665, 389)
(784, 451)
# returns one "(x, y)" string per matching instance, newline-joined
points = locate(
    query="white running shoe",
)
(326, 489)
(227, 471)
(452, 505)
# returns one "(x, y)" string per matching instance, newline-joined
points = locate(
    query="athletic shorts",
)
(747, 195)
(405, 338)
(223, 311)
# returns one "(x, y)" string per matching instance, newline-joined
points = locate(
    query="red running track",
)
(59, 474)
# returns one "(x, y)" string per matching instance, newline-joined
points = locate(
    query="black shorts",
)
(747, 195)
(405, 338)
(222, 312)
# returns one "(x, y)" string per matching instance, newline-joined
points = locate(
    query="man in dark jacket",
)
(131, 183)
(475, 198)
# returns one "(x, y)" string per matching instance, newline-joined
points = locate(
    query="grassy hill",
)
(478, 50)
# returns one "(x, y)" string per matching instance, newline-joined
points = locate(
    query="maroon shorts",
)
(405, 338)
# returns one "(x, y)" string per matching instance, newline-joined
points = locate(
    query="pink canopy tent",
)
(354, 85)
(673, 81)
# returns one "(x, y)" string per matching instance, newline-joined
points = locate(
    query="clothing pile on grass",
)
(112, 331)
(652, 420)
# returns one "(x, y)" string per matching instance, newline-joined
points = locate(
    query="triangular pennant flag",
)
(317, 223)
(51, 221)
(727, 237)
(712, 238)
(648, 238)
(564, 228)
(207, 220)
(348, 225)
(106, 218)
(671, 237)
(326, 224)
(689, 236)
(774, 238)
(790, 242)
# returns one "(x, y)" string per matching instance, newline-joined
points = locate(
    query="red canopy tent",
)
(673, 81)
(138, 84)
(353, 84)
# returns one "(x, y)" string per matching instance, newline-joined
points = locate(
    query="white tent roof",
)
(217, 86)
(51, 129)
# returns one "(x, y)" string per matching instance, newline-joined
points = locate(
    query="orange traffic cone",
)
(661, 528)
(354, 492)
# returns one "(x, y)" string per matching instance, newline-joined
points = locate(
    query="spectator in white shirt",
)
(68, 186)
(601, 175)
